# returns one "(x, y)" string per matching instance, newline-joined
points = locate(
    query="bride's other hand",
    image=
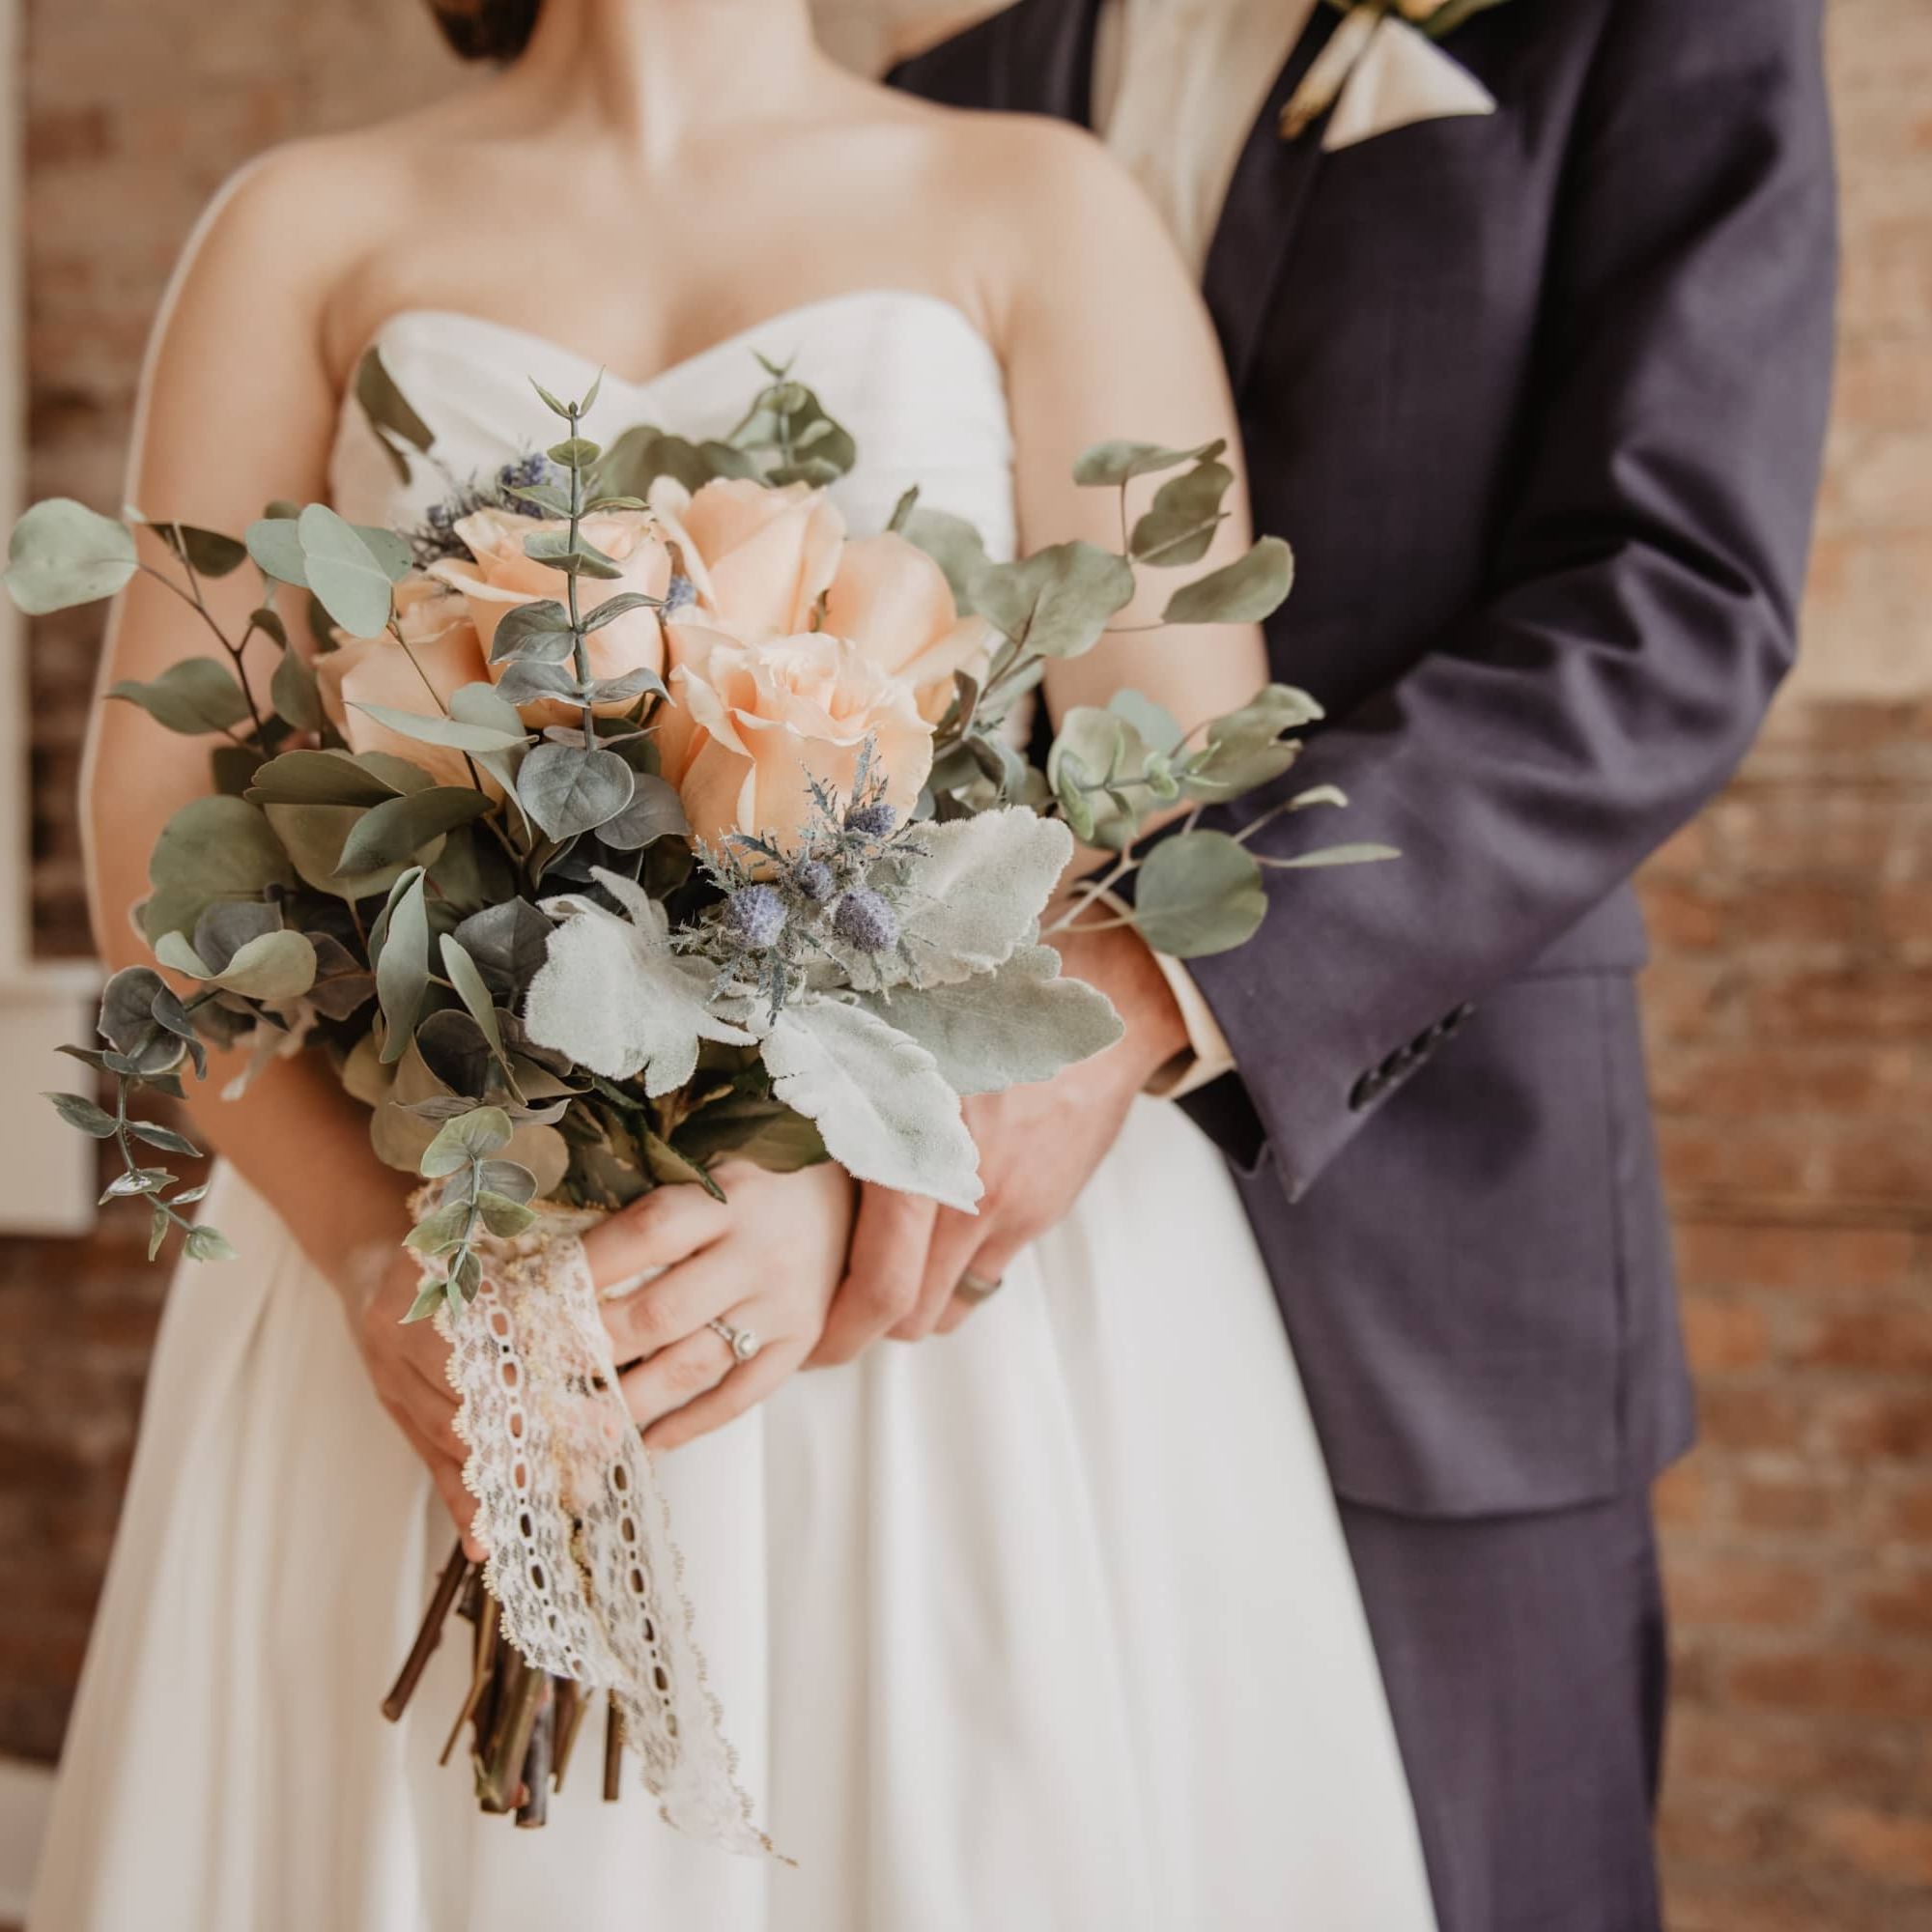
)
(407, 1361)
(766, 1260)
(1039, 1147)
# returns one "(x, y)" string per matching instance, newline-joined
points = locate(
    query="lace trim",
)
(577, 1531)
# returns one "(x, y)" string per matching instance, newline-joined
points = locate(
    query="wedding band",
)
(976, 1287)
(742, 1341)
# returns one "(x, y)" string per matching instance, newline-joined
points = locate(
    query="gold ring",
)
(976, 1287)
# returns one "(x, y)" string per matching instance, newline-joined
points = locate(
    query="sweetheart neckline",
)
(738, 339)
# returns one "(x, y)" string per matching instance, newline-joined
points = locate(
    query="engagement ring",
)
(742, 1341)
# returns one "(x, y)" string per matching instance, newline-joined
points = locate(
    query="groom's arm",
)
(1648, 583)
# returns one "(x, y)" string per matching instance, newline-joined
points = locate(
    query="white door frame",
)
(46, 1172)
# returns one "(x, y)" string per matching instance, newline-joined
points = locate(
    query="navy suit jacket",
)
(1538, 399)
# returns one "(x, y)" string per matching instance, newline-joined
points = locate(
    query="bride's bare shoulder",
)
(1038, 202)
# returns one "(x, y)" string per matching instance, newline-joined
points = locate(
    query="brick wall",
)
(1790, 1004)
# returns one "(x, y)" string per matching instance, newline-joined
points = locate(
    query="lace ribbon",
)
(578, 1533)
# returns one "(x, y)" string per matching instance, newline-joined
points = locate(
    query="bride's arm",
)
(1103, 336)
(237, 410)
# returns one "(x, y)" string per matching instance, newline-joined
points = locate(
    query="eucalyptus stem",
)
(580, 645)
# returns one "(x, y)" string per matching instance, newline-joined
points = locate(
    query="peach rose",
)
(760, 721)
(894, 602)
(504, 577)
(760, 558)
(435, 623)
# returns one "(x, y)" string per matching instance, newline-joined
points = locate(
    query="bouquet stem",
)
(429, 1633)
(524, 1722)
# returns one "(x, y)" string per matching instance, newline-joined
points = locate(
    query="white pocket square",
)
(1400, 77)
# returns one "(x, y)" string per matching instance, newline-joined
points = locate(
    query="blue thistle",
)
(441, 519)
(865, 921)
(877, 820)
(680, 595)
(816, 879)
(754, 916)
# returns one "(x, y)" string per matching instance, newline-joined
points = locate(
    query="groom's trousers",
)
(1525, 1665)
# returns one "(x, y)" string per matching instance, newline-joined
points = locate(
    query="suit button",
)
(1366, 1090)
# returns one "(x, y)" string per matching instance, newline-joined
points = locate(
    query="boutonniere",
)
(1383, 68)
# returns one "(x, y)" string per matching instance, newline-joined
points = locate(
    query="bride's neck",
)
(650, 71)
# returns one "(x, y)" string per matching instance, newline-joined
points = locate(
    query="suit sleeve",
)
(1645, 585)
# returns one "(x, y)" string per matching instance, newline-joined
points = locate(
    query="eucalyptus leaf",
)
(574, 556)
(273, 967)
(951, 543)
(567, 790)
(345, 572)
(399, 828)
(1059, 601)
(470, 1137)
(619, 606)
(331, 777)
(78, 1111)
(451, 732)
(508, 943)
(1333, 854)
(1187, 512)
(208, 1244)
(402, 968)
(61, 553)
(207, 552)
(655, 812)
(1198, 893)
(275, 545)
(193, 697)
(313, 835)
(876, 1096)
(388, 410)
(539, 631)
(293, 692)
(1245, 591)
(1109, 464)
(211, 849)
(473, 993)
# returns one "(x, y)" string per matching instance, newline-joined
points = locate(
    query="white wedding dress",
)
(1046, 1627)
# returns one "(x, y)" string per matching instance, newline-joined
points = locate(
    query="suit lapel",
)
(1265, 205)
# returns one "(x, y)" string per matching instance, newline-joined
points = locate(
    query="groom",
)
(1527, 311)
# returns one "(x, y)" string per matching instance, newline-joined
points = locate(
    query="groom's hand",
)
(1039, 1147)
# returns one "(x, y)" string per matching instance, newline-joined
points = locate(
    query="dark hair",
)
(487, 29)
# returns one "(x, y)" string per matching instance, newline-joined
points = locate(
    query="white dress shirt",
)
(1178, 86)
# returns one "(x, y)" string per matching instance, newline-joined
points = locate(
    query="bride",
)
(1047, 1623)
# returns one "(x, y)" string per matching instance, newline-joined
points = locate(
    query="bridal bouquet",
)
(633, 814)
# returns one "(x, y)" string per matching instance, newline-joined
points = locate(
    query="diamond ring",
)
(976, 1287)
(742, 1341)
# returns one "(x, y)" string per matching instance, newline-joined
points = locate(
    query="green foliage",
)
(399, 946)
(1108, 466)
(572, 788)
(211, 850)
(343, 572)
(1059, 602)
(194, 696)
(396, 425)
(61, 553)
(1247, 592)
(1187, 513)
(1198, 892)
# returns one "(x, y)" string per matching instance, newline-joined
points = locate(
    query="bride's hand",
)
(767, 1260)
(409, 1362)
